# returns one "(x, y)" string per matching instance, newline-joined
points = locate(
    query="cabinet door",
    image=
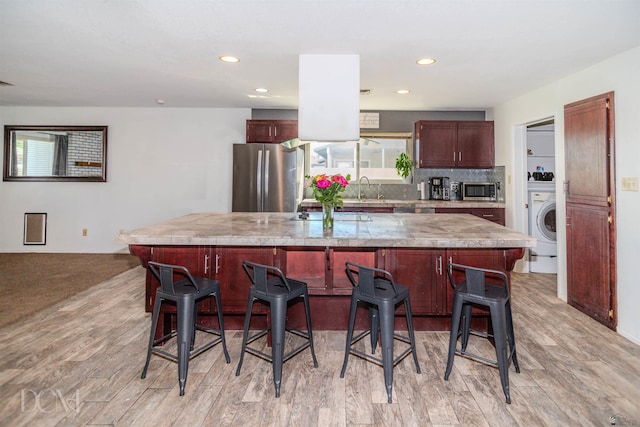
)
(284, 130)
(260, 131)
(309, 265)
(340, 282)
(490, 214)
(422, 271)
(435, 144)
(196, 259)
(494, 259)
(234, 282)
(475, 145)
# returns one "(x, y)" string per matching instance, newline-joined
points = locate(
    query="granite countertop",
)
(350, 230)
(400, 203)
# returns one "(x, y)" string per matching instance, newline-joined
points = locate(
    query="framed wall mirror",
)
(55, 153)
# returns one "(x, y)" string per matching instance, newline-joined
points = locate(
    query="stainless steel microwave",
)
(486, 191)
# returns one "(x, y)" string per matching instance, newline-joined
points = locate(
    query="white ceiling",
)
(119, 53)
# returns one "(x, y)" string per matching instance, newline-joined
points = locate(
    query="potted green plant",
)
(404, 165)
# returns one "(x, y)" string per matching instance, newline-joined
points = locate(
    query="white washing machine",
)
(542, 226)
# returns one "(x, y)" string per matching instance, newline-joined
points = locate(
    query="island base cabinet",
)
(423, 270)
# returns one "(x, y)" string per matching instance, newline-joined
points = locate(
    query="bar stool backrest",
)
(368, 278)
(475, 278)
(259, 276)
(165, 274)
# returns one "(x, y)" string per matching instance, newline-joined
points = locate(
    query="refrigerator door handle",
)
(266, 176)
(259, 183)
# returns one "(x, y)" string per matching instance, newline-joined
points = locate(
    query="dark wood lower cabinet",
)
(323, 268)
(490, 214)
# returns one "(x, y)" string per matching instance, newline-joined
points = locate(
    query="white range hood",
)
(329, 98)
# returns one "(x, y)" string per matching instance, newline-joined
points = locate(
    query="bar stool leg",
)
(412, 339)
(386, 328)
(453, 336)
(154, 325)
(352, 320)
(466, 325)
(374, 322)
(512, 338)
(278, 317)
(309, 330)
(221, 325)
(185, 333)
(245, 334)
(500, 336)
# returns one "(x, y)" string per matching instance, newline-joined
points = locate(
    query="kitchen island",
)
(415, 248)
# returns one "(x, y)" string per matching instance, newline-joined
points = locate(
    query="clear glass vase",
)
(327, 216)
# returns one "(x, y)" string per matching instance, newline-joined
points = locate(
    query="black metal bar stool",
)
(473, 289)
(271, 286)
(185, 293)
(377, 288)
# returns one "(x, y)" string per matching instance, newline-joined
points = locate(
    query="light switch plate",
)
(630, 183)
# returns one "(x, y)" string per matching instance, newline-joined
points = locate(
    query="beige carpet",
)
(32, 281)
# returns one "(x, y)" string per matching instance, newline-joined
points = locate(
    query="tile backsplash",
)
(410, 191)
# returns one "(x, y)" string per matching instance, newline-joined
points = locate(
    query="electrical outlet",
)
(630, 184)
(84, 232)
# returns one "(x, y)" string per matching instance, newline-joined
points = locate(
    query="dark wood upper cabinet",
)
(454, 144)
(271, 131)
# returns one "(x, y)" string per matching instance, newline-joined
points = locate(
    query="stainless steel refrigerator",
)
(267, 178)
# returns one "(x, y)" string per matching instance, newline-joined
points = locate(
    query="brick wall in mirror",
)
(55, 153)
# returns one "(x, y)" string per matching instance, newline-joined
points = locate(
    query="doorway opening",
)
(541, 196)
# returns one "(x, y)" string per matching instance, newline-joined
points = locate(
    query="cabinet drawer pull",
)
(217, 263)
(206, 264)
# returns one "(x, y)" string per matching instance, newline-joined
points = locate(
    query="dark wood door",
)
(234, 282)
(285, 129)
(422, 271)
(260, 131)
(587, 278)
(590, 196)
(475, 145)
(435, 144)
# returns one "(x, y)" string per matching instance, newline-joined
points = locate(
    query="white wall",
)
(161, 163)
(618, 74)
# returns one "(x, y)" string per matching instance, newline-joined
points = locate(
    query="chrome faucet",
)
(360, 184)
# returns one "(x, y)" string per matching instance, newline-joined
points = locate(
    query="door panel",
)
(587, 153)
(590, 195)
(247, 172)
(587, 279)
(279, 179)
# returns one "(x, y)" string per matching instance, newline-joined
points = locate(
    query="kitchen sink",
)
(337, 216)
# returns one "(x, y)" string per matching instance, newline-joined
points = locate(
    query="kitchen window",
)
(374, 156)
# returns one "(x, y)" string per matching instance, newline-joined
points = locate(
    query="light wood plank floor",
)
(90, 350)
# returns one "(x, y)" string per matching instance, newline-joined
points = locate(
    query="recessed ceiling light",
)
(160, 101)
(403, 91)
(261, 90)
(425, 61)
(229, 59)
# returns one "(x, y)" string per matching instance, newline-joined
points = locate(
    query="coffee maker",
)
(439, 188)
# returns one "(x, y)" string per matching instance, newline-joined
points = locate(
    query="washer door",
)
(546, 220)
